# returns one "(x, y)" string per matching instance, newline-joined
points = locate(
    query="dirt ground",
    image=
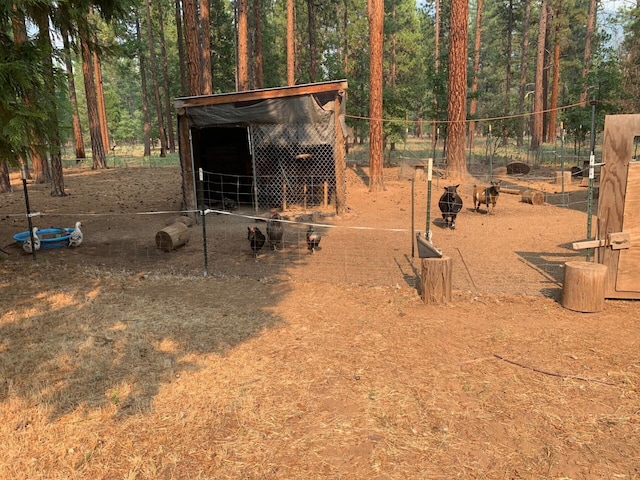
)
(118, 360)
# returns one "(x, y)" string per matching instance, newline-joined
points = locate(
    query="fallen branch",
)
(574, 377)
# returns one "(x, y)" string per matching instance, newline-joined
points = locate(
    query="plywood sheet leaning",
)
(629, 263)
(618, 182)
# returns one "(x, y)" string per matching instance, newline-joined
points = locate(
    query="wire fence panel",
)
(293, 165)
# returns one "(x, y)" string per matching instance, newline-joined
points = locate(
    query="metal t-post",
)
(26, 201)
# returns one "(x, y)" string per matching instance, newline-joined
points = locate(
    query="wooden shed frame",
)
(618, 244)
(241, 106)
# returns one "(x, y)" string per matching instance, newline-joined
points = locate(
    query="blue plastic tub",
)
(49, 237)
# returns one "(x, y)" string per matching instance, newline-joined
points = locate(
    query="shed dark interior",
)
(223, 154)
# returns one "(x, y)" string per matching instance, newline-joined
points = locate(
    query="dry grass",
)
(110, 373)
(114, 375)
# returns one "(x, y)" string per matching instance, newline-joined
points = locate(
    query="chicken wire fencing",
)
(291, 165)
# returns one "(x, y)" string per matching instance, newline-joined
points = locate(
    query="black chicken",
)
(256, 239)
(313, 239)
(275, 231)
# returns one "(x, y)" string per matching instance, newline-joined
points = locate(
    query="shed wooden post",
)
(436, 279)
(584, 284)
(189, 200)
(339, 160)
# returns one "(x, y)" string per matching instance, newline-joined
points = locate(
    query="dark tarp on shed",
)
(288, 120)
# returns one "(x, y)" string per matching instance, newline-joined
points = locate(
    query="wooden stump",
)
(566, 175)
(174, 236)
(436, 279)
(584, 285)
(534, 197)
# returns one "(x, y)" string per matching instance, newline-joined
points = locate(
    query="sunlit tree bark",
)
(243, 47)
(375, 12)
(192, 42)
(291, 53)
(205, 41)
(457, 103)
(97, 146)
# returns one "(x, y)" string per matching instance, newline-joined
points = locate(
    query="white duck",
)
(27, 247)
(75, 239)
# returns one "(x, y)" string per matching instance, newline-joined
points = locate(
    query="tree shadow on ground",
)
(77, 338)
(550, 266)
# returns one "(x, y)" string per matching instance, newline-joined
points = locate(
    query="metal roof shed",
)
(266, 148)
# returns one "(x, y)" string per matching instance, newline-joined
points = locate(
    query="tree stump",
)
(584, 286)
(534, 197)
(566, 176)
(436, 279)
(174, 236)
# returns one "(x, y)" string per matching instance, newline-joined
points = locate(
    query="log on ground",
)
(511, 191)
(172, 237)
(534, 197)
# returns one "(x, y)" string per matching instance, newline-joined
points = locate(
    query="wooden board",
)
(617, 151)
(628, 278)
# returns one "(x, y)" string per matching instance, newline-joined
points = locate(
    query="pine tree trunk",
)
(97, 147)
(55, 145)
(78, 141)
(5, 182)
(257, 45)
(154, 81)
(434, 125)
(507, 81)
(375, 11)
(243, 47)
(524, 65)
(291, 53)
(184, 71)
(457, 104)
(192, 42)
(205, 40)
(313, 62)
(538, 104)
(553, 113)
(586, 59)
(165, 79)
(143, 86)
(393, 67)
(476, 71)
(545, 78)
(345, 29)
(104, 129)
